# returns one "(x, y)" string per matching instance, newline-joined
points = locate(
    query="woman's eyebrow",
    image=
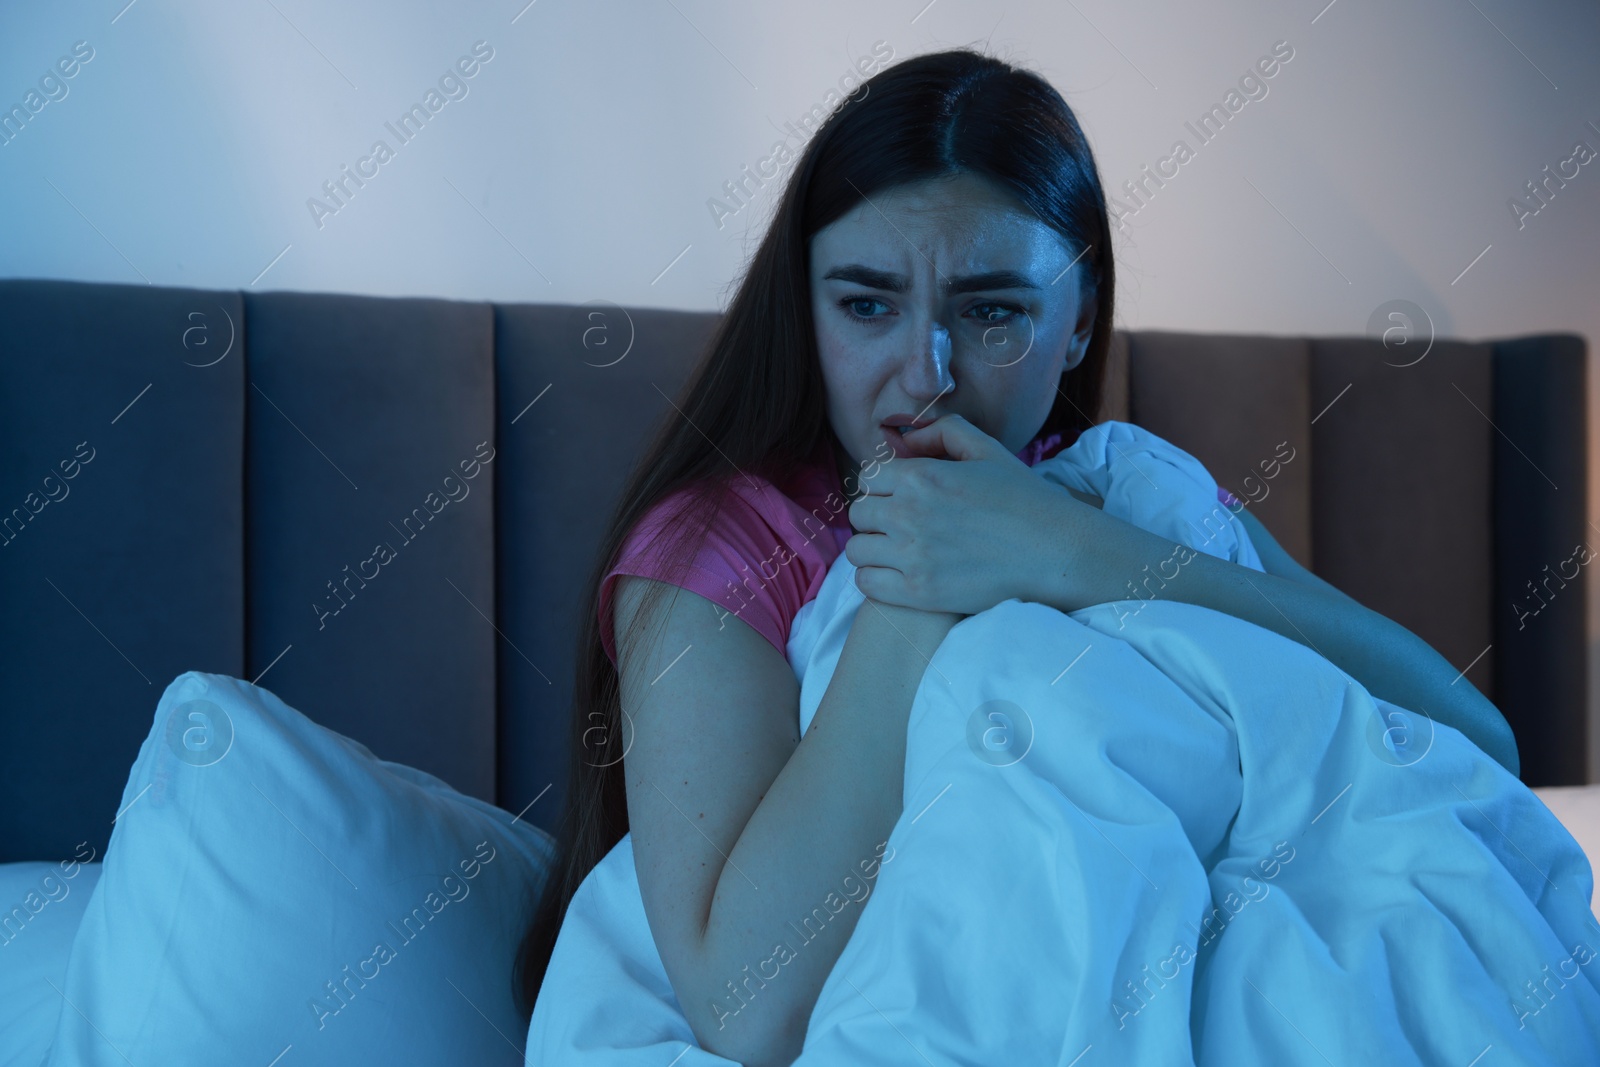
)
(896, 283)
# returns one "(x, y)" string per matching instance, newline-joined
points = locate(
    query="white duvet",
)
(1148, 833)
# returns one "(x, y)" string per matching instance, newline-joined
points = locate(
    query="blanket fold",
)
(1191, 849)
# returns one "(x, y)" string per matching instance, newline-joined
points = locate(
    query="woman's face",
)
(943, 296)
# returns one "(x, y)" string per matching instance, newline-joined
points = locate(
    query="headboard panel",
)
(1403, 512)
(121, 534)
(370, 464)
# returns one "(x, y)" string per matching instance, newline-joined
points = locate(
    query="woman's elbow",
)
(756, 1038)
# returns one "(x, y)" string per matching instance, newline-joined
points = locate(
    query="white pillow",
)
(272, 889)
(42, 905)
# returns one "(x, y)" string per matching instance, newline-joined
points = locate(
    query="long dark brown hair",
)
(756, 400)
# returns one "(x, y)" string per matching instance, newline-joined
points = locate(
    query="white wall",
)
(1379, 165)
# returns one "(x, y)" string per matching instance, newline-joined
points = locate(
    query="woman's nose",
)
(926, 372)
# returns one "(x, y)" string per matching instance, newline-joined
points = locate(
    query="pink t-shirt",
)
(771, 546)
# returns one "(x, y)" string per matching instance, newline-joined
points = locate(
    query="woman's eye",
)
(851, 304)
(986, 312)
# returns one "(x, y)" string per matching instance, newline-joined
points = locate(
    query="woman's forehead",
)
(965, 222)
(908, 249)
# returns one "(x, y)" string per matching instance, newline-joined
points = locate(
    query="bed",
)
(197, 482)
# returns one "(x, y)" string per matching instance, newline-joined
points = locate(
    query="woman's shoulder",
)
(803, 497)
(764, 553)
(745, 502)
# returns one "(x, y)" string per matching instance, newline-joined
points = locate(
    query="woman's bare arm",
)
(742, 831)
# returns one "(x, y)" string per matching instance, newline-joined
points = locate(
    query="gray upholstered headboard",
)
(236, 459)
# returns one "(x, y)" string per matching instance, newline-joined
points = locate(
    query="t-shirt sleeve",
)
(731, 567)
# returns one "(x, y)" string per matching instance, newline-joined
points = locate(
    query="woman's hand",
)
(964, 533)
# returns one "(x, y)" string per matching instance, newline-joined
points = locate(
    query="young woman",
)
(941, 258)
